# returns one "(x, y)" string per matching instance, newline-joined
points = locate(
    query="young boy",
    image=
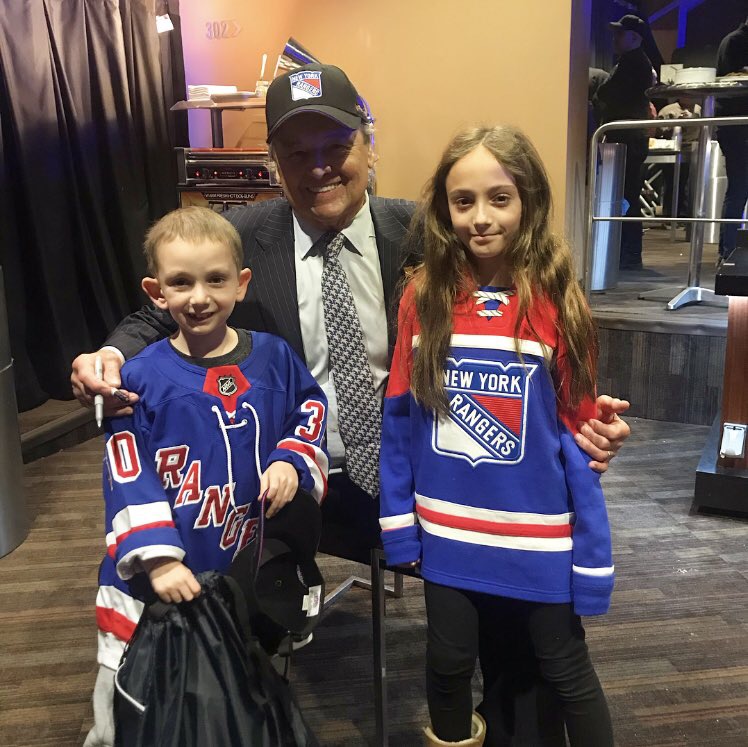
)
(224, 416)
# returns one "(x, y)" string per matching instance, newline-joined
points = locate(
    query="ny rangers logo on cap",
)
(487, 408)
(306, 85)
(227, 386)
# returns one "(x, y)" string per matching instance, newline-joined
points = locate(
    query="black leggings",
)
(463, 625)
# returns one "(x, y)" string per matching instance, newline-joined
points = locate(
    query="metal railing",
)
(694, 268)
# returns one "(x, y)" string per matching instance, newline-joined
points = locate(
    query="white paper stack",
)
(195, 93)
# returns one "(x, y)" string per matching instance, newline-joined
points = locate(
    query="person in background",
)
(680, 110)
(596, 78)
(650, 48)
(320, 140)
(482, 482)
(623, 96)
(674, 111)
(732, 57)
(227, 418)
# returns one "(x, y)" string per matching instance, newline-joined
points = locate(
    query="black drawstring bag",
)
(193, 676)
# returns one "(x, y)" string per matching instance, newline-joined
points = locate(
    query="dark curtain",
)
(86, 164)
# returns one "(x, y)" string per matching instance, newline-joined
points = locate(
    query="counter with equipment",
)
(722, 474)
(221, 178)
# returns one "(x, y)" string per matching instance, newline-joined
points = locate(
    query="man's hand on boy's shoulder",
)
(281, 481)
(86, 384)
(172, 580)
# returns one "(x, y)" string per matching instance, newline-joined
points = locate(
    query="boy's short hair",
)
(191, 224)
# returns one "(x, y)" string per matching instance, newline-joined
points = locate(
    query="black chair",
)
(350, 530)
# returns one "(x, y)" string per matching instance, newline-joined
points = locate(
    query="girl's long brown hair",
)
(541, 264)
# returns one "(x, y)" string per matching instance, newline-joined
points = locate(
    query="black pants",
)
(350, 520)
(464, 625)
(684, 189)
(734, 144)
(637, 147)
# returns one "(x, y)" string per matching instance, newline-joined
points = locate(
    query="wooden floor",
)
(46, 413)
(672, 654)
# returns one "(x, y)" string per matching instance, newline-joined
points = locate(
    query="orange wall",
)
(574, 207)
(426, 67)
(263, 28)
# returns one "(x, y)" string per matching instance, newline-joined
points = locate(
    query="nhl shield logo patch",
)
(227, 386)
(306, 85)
(228, 383)
(487, 411)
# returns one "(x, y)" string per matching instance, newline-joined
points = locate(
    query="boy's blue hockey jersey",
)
(182, 473)
(497, 497)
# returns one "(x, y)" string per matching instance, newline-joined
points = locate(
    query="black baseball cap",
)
(323, 89)
(281, 581)
(631, 23)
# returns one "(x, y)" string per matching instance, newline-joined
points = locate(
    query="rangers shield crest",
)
(306, 85)
(487, 411)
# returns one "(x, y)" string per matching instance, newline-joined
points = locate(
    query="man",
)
(596, 78)
(623, 96)
(326, 262)
(732, 57)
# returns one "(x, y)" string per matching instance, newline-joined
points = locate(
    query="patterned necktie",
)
(359, 410)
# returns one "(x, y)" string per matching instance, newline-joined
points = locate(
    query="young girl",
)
(482, 481)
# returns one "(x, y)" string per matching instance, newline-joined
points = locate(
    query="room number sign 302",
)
(222, 29)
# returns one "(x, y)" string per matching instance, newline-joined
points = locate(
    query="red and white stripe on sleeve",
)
(389, 523)
(315, 461)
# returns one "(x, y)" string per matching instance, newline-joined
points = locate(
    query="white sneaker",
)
(295, 644)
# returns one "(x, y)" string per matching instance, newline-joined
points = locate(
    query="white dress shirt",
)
(360, 260)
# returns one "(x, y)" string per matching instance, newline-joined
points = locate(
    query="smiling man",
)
(326, 261)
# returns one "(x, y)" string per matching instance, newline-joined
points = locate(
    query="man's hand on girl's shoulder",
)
(602, 437)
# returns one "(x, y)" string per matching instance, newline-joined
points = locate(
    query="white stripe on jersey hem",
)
(140, 514)
(109, 651)
(112, 598)
(497, 342)
(532, 544)
(582, 571)
(490, 514)
(397, 522)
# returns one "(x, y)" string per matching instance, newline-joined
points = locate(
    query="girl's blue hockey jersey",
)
(182, 474)
(497, 497)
